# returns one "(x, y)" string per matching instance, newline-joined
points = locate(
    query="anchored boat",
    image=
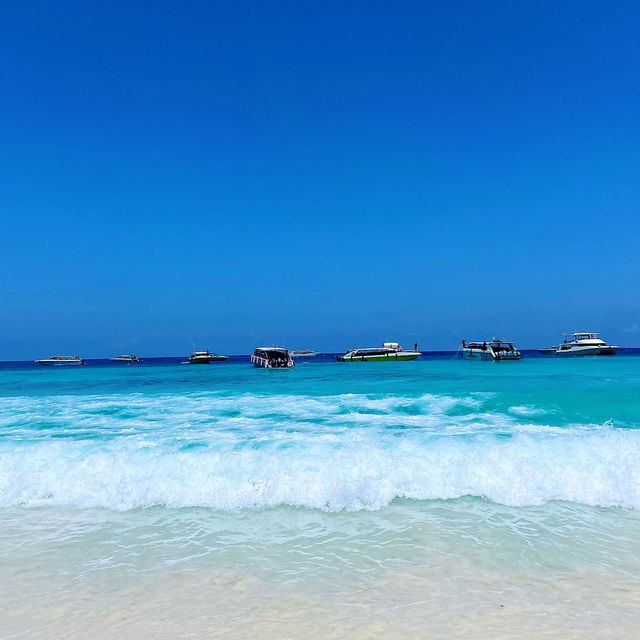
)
(388, 352)
(61, 361)
(272, 358)
(125, 358)
(303, 353)
(582, 344)
(205, 357)
(490, 350)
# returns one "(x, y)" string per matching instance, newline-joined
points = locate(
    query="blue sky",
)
(324, 173)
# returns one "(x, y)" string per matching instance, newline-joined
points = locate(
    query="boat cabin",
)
(272, 358)
(581, 337)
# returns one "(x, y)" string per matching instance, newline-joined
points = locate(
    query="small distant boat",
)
(272, 358)
(205, 357)
(582, 344)
(61, 361)
(490, 350)
(303, 353)
(388, 352)
(125, 358)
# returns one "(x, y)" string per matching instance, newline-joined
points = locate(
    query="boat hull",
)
(476, 355)
(483, 355)
(60, 364)
(586, 351)
(267, 363)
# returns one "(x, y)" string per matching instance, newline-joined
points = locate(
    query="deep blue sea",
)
(432, 498)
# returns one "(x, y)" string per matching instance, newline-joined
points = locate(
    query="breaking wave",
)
(343, 452)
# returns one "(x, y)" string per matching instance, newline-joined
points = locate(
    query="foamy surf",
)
(344, 452)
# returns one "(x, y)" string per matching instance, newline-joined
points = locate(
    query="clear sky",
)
(330, 174)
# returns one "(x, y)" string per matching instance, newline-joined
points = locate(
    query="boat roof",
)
(492, 341)
(384, 345)
(282, 349)
(584, 333)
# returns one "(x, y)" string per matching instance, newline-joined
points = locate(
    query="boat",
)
(272, 358)
(493, 349)
(582, 343)
(125, 358)
(61, 361)
(303, 353)
(205, 357)
(389, 351)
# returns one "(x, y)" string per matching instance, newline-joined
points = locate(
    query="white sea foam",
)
(524, 410)
(335, 452)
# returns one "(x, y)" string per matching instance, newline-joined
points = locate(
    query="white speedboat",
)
(303, 353)
(272, 358)
(61, 361)
(582, 344)
(490, 350)
(388, 352)
(125, 358)
(205, 357)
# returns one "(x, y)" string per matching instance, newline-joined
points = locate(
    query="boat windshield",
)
(574, 337)
(496, 345)
(502, 346)
(371, 351)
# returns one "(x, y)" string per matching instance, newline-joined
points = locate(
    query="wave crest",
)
(356, 471)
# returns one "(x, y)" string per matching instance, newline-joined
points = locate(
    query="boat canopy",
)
(581, 335)
(370, 351)
(494, 344)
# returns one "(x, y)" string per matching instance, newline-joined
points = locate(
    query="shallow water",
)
(435, 498)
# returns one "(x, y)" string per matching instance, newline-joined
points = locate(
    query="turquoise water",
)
(265, 503)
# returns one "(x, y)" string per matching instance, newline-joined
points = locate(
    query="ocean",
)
(437, 498)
